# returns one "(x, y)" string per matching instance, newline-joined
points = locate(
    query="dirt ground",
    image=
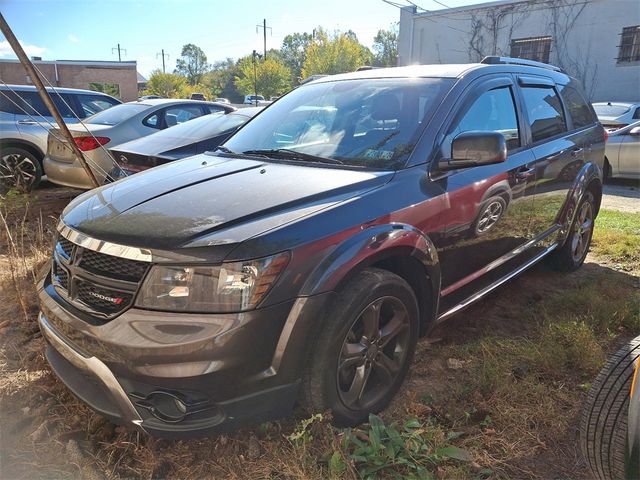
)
(622, 195)
(46, 433)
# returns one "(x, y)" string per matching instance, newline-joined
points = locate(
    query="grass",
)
(507, 407)
(617, 238)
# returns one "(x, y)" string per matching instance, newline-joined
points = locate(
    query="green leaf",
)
(454, 435)
(336, 465)
(454, 452)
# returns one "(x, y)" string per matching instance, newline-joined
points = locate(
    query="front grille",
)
(95, 283)
(121, 268)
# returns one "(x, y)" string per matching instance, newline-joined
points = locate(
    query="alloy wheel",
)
(582, 231)
(373, 353)
(490, 216)
(17, 170)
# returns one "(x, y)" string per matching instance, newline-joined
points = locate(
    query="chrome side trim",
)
(85, 241)
(477, 296)
(93, 366)
(499, 261)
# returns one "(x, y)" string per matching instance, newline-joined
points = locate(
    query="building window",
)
(629, 45)
(112, 89)
(532, 48)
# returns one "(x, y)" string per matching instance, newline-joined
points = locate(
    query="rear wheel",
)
(365, 348)
(572, 254)
(19, 169)
(488, 216)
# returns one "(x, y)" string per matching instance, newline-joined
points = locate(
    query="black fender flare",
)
(589, 178)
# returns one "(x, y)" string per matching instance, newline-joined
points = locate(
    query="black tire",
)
(606, 172)
(19, 169)
(571, 255)
(603, 428)
(489, 214)
(322, 382)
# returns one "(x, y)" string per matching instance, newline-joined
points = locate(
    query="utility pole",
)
(163, 55)
(255, 77)
(17, 48)
(264, 28)
(118, 49)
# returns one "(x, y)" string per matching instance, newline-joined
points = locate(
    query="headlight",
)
(230, 287)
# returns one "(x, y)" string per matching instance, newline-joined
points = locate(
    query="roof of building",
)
(466, 8)
(141, 79)
(87, 63)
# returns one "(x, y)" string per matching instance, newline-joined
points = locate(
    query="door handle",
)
(525, 172)
(576, 151)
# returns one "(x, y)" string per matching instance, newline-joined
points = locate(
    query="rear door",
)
(559, 154)
(629, 153)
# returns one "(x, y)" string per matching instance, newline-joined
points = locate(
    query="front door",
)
(487, 207)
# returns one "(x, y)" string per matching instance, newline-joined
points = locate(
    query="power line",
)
(163, 55)
(118, 49)
(264, 28)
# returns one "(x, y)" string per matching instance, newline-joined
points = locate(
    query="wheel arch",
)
(24, 144)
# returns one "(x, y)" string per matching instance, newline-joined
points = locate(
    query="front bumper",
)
(226, 371)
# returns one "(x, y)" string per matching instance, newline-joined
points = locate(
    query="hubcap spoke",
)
(354, 394)
(371, 320)
(396, 325)
(352, 355)
(385, 368)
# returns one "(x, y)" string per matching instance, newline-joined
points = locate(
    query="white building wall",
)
(586, 36)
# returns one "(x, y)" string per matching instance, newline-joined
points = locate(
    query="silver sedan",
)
(622, 154)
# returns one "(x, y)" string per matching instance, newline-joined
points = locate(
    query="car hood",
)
(153, 144)
(182, 203)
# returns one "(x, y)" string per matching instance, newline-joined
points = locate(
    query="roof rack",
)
(494, 60)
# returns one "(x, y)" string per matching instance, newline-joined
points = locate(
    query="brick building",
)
(119, 79)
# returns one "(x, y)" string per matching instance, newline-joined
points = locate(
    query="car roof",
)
(247, 112)
(456, 70)
(32, 88)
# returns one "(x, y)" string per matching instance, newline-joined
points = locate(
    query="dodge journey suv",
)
(300, 262)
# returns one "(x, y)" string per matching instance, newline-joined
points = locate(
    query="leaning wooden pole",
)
(17, 48)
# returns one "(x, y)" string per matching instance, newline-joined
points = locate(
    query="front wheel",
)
(572, 254)
(364, 349)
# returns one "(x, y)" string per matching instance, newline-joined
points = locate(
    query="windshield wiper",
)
(293, 155)
(225, 150)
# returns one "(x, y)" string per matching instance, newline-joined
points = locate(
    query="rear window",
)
(544, 110)
(577, 106)
(117, 114)
(92, 104)
(604, 110)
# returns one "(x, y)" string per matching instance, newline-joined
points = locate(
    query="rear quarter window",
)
(544, 110)
(577, 106)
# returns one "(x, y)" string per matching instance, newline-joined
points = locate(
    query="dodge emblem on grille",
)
(116, 300)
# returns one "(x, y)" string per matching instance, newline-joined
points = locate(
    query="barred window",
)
(629, 45)
(532, 48)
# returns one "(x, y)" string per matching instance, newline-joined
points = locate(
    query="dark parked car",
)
(302, 261)
(184, 140)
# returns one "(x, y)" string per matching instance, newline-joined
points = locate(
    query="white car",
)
(253, 99)
(112, 127)
(622, 152)
(614, 115)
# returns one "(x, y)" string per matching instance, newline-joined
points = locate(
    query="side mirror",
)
(634, 131)
(474, 148)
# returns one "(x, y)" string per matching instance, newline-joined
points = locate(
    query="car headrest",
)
(385, 107)
(171, 120)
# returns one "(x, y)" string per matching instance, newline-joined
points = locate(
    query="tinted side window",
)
(492, 111)
(544, 111)
(577, 106)
(181, 114)
(30, 104)
(636, 115)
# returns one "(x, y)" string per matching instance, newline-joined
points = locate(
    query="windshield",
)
(117, 114)
(372, 123)
(610, 110)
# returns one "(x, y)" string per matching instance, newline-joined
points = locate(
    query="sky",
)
(92, 29)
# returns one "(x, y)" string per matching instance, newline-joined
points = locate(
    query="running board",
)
(477, 296)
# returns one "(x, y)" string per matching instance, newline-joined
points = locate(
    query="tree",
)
(294, 51)
(220, 80)
(337, 53)
(272, 77)
(167, 85)
(193, 63)
(385, 47)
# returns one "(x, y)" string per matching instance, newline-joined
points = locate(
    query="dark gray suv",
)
(302, 260)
